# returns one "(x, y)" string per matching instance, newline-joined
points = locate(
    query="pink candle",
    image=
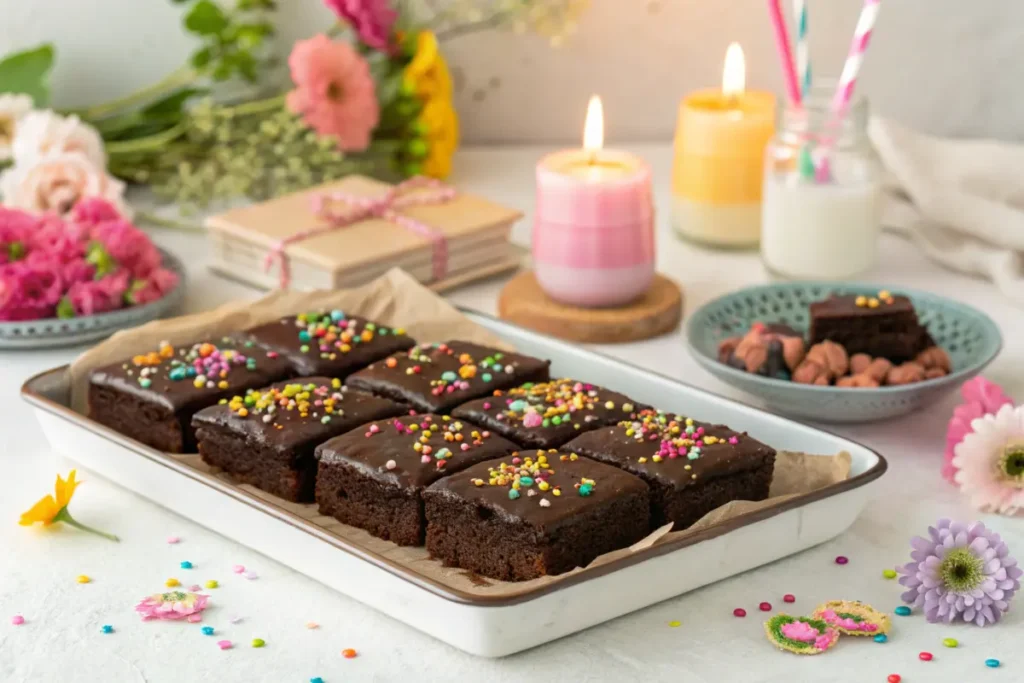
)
(593, 230)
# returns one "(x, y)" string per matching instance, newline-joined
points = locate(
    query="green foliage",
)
(206, 19)
(232, 41)
(28, 72)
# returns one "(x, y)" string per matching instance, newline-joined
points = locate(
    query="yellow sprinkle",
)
(82, 578)
(884, 294)
(675, 624)
(258, 642)
(889, 573)
(641, 460)
(656, 458)
(198, 383)
(171, 583)
(872, 302)
(609, 405)
(543, 486)
(211, 584)
(861, 301)
(556, 492)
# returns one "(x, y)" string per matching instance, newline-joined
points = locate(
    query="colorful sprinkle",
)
(82, 578)
(207, 630)
(258, 642)
(925, 656)
(312, 625)
(107, 628)
(186, 565)
(842, 559)
(889, 573)
(172, 582)
(788, 597)
(348, 653)
(992, 663)
(224, 644)
(902, 611)
(173, 539)
(765, 607)
(894, 678)
(950, 642)
(316, 679)
(881, 638)
(235, 619)
(17, 620)
(195, 588)
(211, 584)
(739, 612)
(251, 575)
(238, 569)
(675, 624)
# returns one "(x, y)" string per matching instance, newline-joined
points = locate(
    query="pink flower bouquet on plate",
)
(92, 261)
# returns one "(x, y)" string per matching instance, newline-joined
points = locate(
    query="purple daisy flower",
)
(961, 572)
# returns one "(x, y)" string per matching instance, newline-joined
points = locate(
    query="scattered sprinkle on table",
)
(889, 573)
(173, 539)
(894, 678)
(251, 575)
(207, 630)
(258, 642)
(17, 620)
(992, 663)
(739, 612)
(107, 628)
(950, 642)
(238, 569)
(675, 624)
(788, 597)
(235, 619)
(224, 644)
(881, 638)
(842, 559)
(925, 656)
(172, 582)
(902, 611)
(312, 624)
(765, 607)
(186, 565)
(316, 679)
(82, 578)
(211, 584)
(349, 653)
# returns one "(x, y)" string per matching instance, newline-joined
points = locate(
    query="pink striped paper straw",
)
(847, 82)
(785, 52)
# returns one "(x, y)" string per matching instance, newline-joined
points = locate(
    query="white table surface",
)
(62, 640)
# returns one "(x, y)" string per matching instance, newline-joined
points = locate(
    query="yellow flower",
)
(54, 508)
(427, 74)
(441, 132)
(427, 77)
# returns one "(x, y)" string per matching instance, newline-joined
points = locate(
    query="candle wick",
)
(592, 158)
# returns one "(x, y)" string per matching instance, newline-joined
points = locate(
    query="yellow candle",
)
(719, 159)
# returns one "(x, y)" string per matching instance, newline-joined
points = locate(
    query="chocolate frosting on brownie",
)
(672, 449)
(191, 376)
(414, 450)
(547, 414)
(845, 305)
(330, 343)
(524, 487)
(438, 377)
(296, 412)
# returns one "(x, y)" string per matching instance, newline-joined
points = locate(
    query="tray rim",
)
(30, 394)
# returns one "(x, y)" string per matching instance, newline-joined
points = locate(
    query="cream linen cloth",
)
(962, 201)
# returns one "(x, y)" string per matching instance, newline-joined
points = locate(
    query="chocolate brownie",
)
(373, 478)
(537, 513)
(266, 437)
(547, 414)
(153, 396)
(692, 467)
(885, 326)
(434, 378)
(330, 343)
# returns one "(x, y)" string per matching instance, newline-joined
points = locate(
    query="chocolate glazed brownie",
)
(266, 437)
(434, 378)
(373, 478)
(330, 343)
(885, 326)
(534, 514)
(153, 396)
(691, 467)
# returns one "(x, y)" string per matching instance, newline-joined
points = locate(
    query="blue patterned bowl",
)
(970, 337)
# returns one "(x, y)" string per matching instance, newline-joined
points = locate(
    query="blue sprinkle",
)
(190, 372)
(186, 565)
(449, 376)
(881, 638)
(513, 494)
(902, 610)
(992, 663)
(316, 679)
(207, 630)
(107, 628)
(517, 406)
(585, 489)
(487, 377)
(337, 315)
(304, 336)
(177, 374)
(526, 481)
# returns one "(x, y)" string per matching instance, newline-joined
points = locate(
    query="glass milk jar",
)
(821, 211)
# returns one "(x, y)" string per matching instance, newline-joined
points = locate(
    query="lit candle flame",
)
(734, 75)
(593, 129)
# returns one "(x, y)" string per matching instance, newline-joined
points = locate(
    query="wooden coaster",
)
(523, 302)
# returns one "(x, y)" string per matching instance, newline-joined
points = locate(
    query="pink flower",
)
(99, 296)
(159, 282)
(334, 91)
(172, 606)
(130, 247)
(30, 288)
(372, 20)
(981, 398)
(93, 210)
(989, 461)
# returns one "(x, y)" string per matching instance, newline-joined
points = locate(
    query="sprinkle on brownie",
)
(320, 400)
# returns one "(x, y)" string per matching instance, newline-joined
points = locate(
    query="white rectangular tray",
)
(489, 626)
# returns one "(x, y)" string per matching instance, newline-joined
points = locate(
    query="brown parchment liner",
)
(395, 299)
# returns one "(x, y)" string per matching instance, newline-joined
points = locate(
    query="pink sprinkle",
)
(425, 459)
(251, 575)
(789, 597)
(733, 440)
(224, 644)
(374, 429)
(765, 607)
(238, 569)
(739, 612)
(173, 539)
(17, 620)
(195, 588)
(465, 447)
(487, 405)
(842, 559)
(271, 354)
(195, 618)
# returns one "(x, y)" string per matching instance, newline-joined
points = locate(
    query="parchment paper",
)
(397, 299)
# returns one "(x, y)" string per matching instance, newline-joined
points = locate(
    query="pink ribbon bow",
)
(385, 206)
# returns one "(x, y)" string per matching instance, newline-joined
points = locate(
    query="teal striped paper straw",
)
(803, 73)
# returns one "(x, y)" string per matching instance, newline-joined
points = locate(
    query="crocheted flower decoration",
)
(960, 572)
(990, 462)
(981, 398)
(853, 618)
(334, 91)
(800, 635)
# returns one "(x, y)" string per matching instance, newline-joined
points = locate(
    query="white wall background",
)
(945, 66)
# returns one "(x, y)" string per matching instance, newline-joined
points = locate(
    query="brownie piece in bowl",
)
(885, 326)
(152, 396)
(534, 514)
(267, 436)
(548, 414)
(373, 478)
(330, 343)
(434, 378)
(692, 467)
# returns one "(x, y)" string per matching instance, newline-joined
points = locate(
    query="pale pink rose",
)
(13, 109)
(334, 91)
(981, 397)
(44, 133)
(54, 184)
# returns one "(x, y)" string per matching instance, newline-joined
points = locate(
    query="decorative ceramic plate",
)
(969, 336)
(52, 333)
